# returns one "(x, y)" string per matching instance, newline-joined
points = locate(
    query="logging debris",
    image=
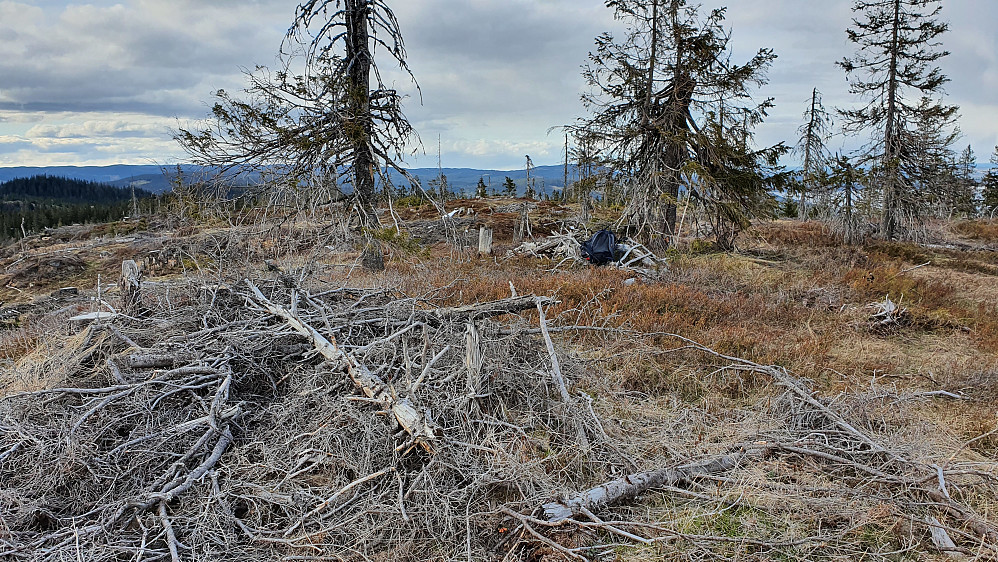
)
(888, 312)
(567, 247)
(261, 421)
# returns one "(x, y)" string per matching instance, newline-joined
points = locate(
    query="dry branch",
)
(419, 426)
(633, 485)
(482, 310)
(240, 445)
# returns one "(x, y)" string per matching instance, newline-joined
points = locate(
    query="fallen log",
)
(420, 427)
(633, 485)
(152, 361)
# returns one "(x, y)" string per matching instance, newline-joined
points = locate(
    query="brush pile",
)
(272, 421)
(219, 424)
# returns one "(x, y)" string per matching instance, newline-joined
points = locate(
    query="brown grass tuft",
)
(983, 230)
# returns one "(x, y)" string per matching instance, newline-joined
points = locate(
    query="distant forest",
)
(45, 201)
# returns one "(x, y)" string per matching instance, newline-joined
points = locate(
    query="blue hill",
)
(158, 179)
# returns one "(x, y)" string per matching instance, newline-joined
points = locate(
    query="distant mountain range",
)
(148, 177)
(159, 179)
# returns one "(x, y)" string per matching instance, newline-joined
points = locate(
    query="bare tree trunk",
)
(485, 241)
(564, 187)
(633, 485)
(653, 205)
(891, 210)
(360, 131)
(848, 215)
(130, 285)
(808, 140)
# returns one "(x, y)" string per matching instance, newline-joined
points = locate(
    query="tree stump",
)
(485, 241)
(522, 228)
(130, 284)
(372, 259)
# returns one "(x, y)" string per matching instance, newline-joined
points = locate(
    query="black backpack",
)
(601, 248)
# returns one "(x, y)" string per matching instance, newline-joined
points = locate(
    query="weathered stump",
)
(130, 284)
(372, 259)
(485, 241)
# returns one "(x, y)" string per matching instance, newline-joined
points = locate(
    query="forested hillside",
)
(47, 201)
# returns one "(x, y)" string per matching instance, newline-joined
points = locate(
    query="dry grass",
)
(793, 297)
(982, 230)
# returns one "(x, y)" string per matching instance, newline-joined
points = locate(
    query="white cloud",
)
(138, 127)
(81, 56)
(66, 138)
(101, 80)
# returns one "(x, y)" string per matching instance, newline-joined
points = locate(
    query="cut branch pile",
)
(261, 422)
(556, 245)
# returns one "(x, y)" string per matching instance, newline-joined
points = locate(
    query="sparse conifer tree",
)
(894, 73)
(963, 193)
(989, 192)
(811, 146)
(509, 187)
(845, 182)
(671, 109)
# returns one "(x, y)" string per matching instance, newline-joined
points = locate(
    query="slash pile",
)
(269, 421)
(213, 425)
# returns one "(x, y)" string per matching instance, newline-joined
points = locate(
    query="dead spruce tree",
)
(326, 119)
(897, 49)
(672, 112)
(811, 146)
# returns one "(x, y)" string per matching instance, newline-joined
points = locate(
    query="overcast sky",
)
(103, 82)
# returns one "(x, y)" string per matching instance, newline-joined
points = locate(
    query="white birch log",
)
(633, 485)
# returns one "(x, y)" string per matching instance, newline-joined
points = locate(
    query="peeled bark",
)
(633, 485)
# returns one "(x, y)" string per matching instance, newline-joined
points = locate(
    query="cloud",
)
(106, 76)
(498, 73)
(11, 143)
(67, 138)
(19, 117)
(157, 57)
(103, 81)
(100, 129)
(488, 147)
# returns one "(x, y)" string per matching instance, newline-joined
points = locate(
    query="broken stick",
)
(422, 429)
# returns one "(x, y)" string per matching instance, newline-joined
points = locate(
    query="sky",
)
(104, 82)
